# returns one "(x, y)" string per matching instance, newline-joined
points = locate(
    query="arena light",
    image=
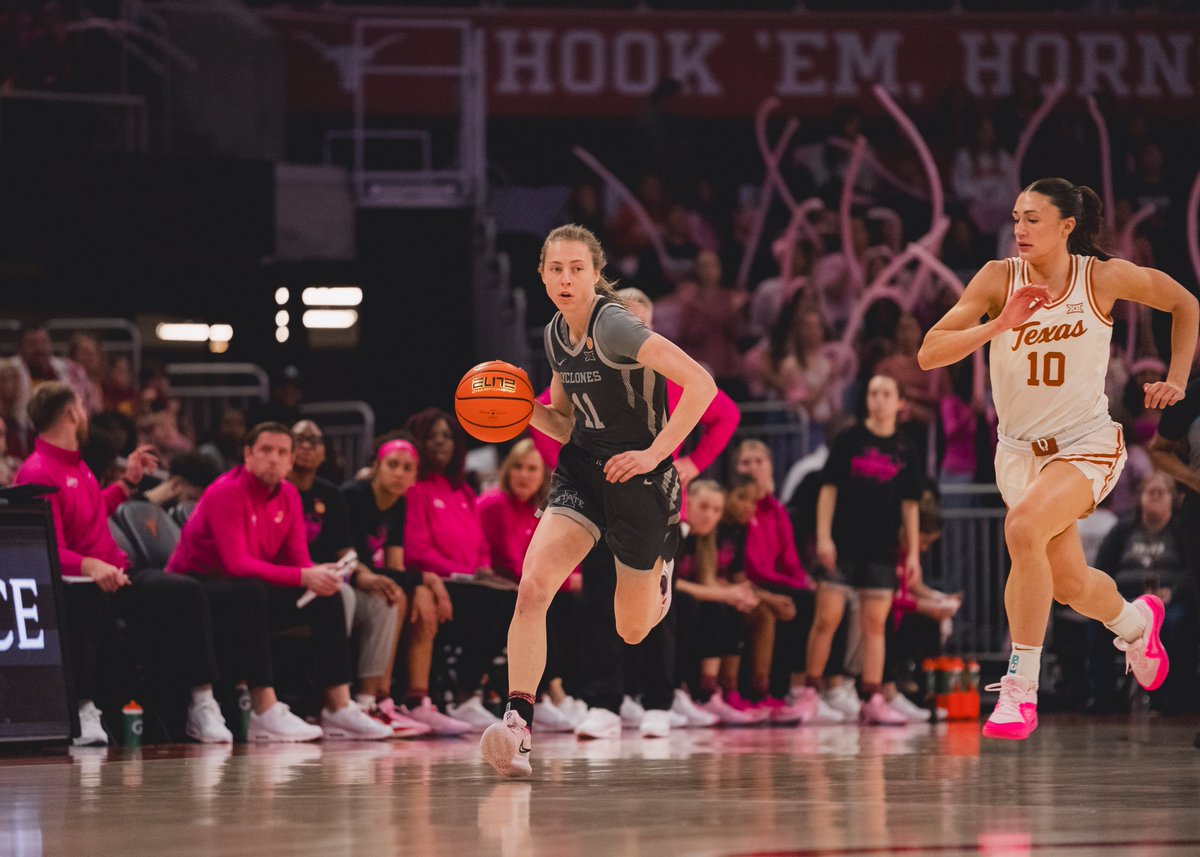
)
(282, 296)
(281, 335)
(182, 332)
(282, 318)
(330, 319)
(332, 296)
(220, 332)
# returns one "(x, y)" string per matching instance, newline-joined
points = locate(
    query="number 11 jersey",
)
(620, 404)
(1048, 373)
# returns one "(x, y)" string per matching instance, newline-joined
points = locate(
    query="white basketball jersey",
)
(1048, 374)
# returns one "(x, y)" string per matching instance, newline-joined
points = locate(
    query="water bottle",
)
(131, 727)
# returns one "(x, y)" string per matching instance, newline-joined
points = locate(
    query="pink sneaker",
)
(729, 716)
(1145, 657)
(807, 702)
(876, 712)
(781, 712)
(1015, 715)
(428, 714)
(506, 746)
(402, 727)
(757, 714)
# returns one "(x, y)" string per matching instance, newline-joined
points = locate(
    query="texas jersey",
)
(620, 405)
(1048, 373)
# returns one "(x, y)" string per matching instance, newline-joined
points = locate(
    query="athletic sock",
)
(522, 703)
(201, 694)
(366, 701)
(1026, 661)
(817, 683)
(415, 697)
(869, 690)
(1130, 623)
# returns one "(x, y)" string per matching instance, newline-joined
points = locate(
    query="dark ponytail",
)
(1082, 203)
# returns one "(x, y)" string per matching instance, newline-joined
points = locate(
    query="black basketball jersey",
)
(620, 405)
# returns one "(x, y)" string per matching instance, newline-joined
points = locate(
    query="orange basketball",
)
(494, 401)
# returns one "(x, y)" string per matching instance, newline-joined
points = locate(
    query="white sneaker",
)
(691, 712)
(631, 713)
(473, 712)
(351, 723)
(665, 592)
(911, 711)
(278, 723)
(573, 709)
(428, 714)
(845, 700)
(205, 723)
(599, 723)
(656, 724)
(91, 729)
(549, 718)
(826, 714)
(678, 721)
(506, 746)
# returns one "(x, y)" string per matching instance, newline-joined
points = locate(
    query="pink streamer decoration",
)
(1035, 121)
(1106, 180)
(937, 202)
(771, 157)
(879, 167)
(798, 221)
(626, 194)
(852, 168)
(1193, 240)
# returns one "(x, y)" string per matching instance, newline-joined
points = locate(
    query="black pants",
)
(791, 640)
(246, 611)
(477, 633)
(603, 668)
(703, 629)
(916, 639)
(562, 640)
(170, 629)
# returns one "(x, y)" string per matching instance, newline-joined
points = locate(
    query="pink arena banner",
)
(573, 63)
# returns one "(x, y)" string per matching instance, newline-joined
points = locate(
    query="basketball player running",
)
(608, 405)
(1059, 453)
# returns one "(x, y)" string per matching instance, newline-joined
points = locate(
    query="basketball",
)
(494, 401)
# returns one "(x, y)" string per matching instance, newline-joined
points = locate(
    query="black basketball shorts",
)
(638, 518)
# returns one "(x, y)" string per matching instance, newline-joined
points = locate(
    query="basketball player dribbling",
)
(1059, 453)
(615, 475)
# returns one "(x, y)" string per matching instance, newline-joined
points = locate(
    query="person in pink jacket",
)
(171, 616)
(247, 543)
(773, 566)
(443, 534)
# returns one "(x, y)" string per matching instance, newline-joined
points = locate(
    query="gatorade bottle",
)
(242, 728)
(131, 729)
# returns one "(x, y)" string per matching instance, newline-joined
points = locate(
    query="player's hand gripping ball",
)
(494, 401)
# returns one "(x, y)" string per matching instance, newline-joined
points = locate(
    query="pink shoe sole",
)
(496, 745)
(1012, 731)
(1154, 646)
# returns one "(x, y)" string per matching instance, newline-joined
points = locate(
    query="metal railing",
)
(116, 336)
(129, 132)
(349, 429)
(204, 390)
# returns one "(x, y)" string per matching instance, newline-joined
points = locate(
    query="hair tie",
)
(397, 446)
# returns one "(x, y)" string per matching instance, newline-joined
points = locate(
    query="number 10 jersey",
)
(1048, 373)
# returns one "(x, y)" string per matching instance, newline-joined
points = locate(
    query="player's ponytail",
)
(1082, 203)
(575, 232)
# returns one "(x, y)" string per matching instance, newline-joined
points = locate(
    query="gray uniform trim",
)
(578, 517)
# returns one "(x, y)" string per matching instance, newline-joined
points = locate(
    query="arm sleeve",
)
(837, 467)
(503, 557)
(69, 561)
(396, 523)
(1178, 418)
(720, 421)
(420, 552)
(295, 546)
(619, 334)
(113, 496)
(229, 519)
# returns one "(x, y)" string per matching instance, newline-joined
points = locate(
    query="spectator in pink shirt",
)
(172, 614)
(510, 515)
(773, 566)
(443, 534)
(246, 542)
